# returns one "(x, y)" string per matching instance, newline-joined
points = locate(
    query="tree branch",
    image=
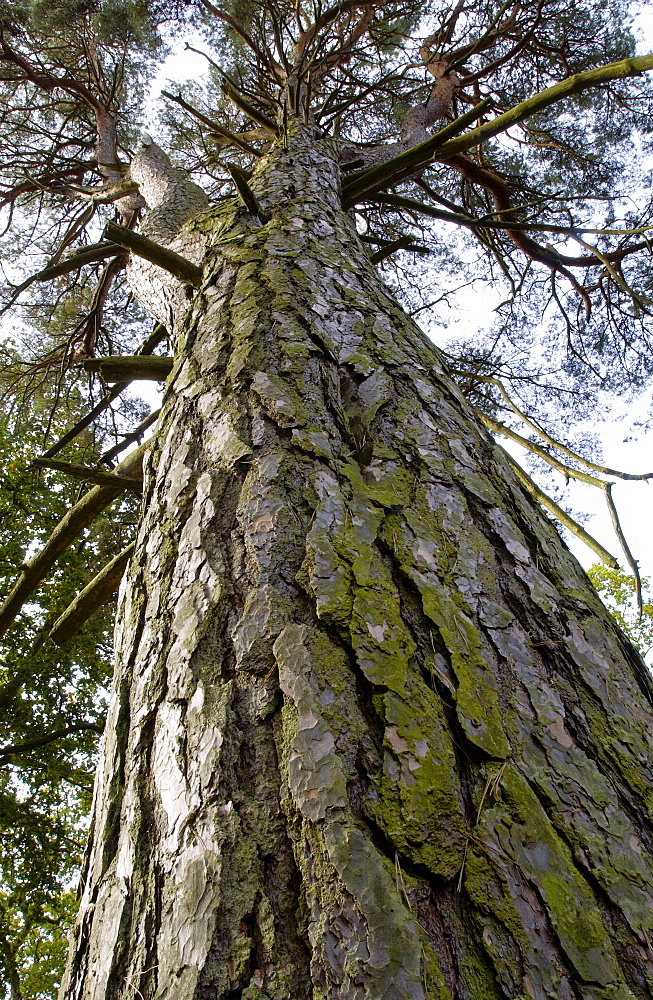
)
(558, 445)
(93, 596)
(128, 439)
(616, 523)
(130, 367)
(533, 105)
(403, 243)
(91, 255)
(249, 110)
(441, 147)
(89, 475)
(230, 137)
(560, 515)
(59, 734)
(536, 449)
(491, 222)
(363, 183)
(158, 334)
(245, 194)
(143, 247)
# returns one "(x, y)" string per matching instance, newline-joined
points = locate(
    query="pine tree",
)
(371, 732)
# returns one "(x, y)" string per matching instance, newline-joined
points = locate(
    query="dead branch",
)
(558, 445)
(632, 562)
(567, 471)
(231, 137)
(128, 439)
(167, 259)
(130, 367)
(92, 597)
(88, 474)
(547, 502)
(158, 334)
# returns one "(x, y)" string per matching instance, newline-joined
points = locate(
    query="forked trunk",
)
(372, 736)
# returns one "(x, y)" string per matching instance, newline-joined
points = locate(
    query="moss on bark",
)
(378, 737)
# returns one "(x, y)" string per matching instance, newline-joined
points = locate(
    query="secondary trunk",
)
(372, 733)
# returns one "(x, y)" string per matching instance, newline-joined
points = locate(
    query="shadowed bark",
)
(372, 733)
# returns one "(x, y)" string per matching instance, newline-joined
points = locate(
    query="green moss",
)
(386, 482)
(477, 702)
(313, 439)
(416, 799)
(547, 861)
(281, 398)
(624, 749)
(314, 760)
(435, 987)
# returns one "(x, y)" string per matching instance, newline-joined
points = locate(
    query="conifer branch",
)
(128, 439)
(412, 205)
(568, 87)
(536, 449)
(632, 562)
(245, 193)
(92, 597)
(442, 146)
(364, 183)
(231, 137)
(90, 255)
(249, 110)
(558, 445)
(167, 259)
(403, 243)
(158, 334)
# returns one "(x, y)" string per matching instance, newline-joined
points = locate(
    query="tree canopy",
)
(495, 143)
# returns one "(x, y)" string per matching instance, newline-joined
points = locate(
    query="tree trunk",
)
(372, 735)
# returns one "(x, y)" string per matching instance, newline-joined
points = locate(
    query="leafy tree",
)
(618, 591)
(53, 706)
(371, 732)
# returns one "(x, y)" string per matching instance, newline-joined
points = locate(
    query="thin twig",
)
(616, 523)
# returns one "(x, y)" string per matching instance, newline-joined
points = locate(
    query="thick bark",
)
(372, 733)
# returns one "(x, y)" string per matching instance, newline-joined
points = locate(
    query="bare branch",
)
(616, 523)
(92, 597)
(149, 344)
(130, 367)
(88, 474)
(560, 515)
(604, 470)
(170, 261)
(567, 471)
(224, 133)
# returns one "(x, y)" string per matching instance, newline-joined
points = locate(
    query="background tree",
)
(53, 706)
(618, 591)
(360, 741)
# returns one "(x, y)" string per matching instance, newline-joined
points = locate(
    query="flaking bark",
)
(372, 734)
